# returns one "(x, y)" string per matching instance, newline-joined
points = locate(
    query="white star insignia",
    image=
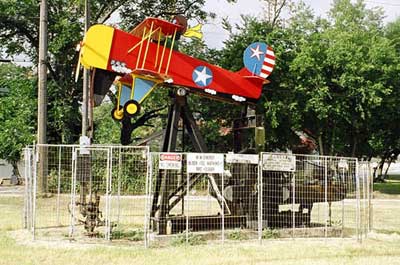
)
(202, 76)
(256, 52)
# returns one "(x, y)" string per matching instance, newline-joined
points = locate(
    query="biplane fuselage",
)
(143, 54)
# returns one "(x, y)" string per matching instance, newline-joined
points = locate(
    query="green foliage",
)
(106, 130)
(192, 240)
(131, 235)
(62, 178)
(17, 112)
(336, 77)
(237, 234)
(19, 35)
(270, 233)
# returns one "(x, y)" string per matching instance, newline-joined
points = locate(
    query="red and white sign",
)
(170, 161)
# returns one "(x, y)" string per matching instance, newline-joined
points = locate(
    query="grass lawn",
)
(382, 248)
(388, 189)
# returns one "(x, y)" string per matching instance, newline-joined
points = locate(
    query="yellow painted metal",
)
(118, 114)
(133, 86)
(95, 53)
(140, 49)
(158, 48)
(119, 95)
(162, 58)
(170, 52)
(134, 76)
(144, 37)
(131, 108)
(148, 43)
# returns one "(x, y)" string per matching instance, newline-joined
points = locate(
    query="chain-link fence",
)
(128, 194)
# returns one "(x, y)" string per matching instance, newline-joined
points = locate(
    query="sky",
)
(214, 35)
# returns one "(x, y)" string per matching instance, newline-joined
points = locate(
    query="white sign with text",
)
(242, 159)
(205, 163)
(279, 162)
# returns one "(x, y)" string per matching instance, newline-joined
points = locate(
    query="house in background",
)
(6, 173)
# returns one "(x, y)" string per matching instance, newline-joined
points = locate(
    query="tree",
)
(17, 118)
(332, 77)
(19, 35)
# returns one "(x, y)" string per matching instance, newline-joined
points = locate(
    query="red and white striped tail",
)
(269, 63)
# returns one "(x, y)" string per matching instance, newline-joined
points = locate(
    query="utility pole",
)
(85, 97)
(42, 97)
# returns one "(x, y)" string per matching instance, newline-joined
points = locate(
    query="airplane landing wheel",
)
(131, 108)
(117, 113)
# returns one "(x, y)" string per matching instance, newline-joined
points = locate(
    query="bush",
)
(237, 234)
(270, 233)
(192, 240)
(131, 235)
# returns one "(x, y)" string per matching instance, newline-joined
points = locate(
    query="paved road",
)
(12, 190)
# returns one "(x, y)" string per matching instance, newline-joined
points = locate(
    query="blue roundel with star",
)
(202, 76)
(253, 57)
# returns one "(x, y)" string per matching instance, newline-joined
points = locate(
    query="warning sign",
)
(205, 163)
(170, 161)
(242, 159)
(279, 162)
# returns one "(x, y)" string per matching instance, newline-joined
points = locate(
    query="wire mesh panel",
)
(28, 191)
(88, 192)
(309, 196)
(207, 206)
(366, 182)
(52, 187)
(241, 192)
(129, 168)
(128, 194)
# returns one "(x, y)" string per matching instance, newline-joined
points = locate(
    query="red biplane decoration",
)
(146, 58)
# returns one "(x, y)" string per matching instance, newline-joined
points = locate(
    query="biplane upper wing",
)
(156, 25)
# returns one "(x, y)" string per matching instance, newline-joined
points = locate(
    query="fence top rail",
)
(313, 156)
(90, 146)
(272, 153)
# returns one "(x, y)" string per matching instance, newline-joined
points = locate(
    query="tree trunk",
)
(15, 178)
(387, 169)
(320, 145)
(354, 148)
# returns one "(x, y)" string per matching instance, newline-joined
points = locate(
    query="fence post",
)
(58, 186)
(108, 194)
(293, 204)
(343, 183)
(259, 199)
(326, 195)
(25, 216)
(187, 205)
(370, 198)
(357, 203)
(149, 175)
(34, 184)
(73, 192)
(365, 209)
(119, 184)
(223, 209)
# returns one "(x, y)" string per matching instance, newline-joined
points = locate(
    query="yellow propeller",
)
(194, 32)
(78, 67)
